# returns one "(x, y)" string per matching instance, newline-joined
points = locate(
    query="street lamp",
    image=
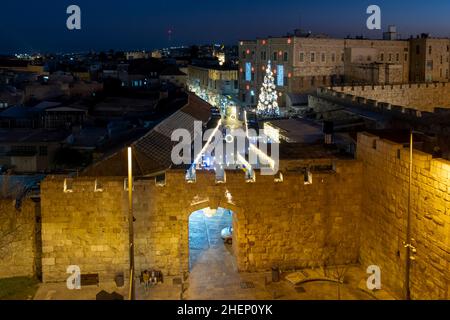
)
(408, 244)
(131, 220)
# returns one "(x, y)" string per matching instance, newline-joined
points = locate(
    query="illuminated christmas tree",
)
(267, 103)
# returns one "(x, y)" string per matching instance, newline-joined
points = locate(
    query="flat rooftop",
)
(298, 130)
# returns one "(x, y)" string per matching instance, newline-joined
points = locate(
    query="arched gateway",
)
(288, 223)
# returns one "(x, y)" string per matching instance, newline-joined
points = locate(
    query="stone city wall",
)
(85, 228)
(421, 96)
(384, 213)
(18, 239)
(289, 224)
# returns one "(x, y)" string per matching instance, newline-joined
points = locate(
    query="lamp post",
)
(408, 224)
(410, 249)
(131, 220)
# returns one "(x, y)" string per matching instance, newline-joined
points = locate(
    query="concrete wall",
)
(18, 239)
(315, 226)
(383, 218)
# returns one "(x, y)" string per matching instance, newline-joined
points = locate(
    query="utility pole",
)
(408, 244)
(131, 222)
(408, 223)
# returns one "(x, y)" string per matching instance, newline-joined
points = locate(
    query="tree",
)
(267, 104)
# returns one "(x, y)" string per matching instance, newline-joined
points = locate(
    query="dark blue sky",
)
(31, 25)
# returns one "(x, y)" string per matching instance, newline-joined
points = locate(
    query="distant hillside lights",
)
(74, 20)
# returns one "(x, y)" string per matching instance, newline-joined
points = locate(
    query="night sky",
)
(40, 26)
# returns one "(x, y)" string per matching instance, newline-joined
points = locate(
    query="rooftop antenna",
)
(169, 35)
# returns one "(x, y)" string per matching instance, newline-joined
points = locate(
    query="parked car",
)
(227, 234)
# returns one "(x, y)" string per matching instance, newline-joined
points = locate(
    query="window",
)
(442, 59)
(382, 57)
(313, 57)
(324, 79)
(24, 150)
(417, 49)
(263, 55)
(398, 57)
(430, 50)
(248, 71)
(446, 73)
(390, 57)
(313, 81)
(280, 75)
(275, 54)
(324, 57)
(243, 97)
(301, 82)
(285, 56)
(333, 57)
(302, 57)
(406, 57)
(342, 57)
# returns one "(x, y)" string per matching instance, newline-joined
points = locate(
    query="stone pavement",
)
(59, 291)
(214, 276)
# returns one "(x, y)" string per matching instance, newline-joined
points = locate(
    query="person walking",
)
(146, 278)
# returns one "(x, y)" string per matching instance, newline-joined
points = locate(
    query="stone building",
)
(220, 80)
(429, 59)
(304, 63)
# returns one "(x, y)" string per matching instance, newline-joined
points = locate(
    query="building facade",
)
(301, 64)
(215, 79)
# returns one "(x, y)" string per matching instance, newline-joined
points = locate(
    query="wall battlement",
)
(90, 229)
(414, 98)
